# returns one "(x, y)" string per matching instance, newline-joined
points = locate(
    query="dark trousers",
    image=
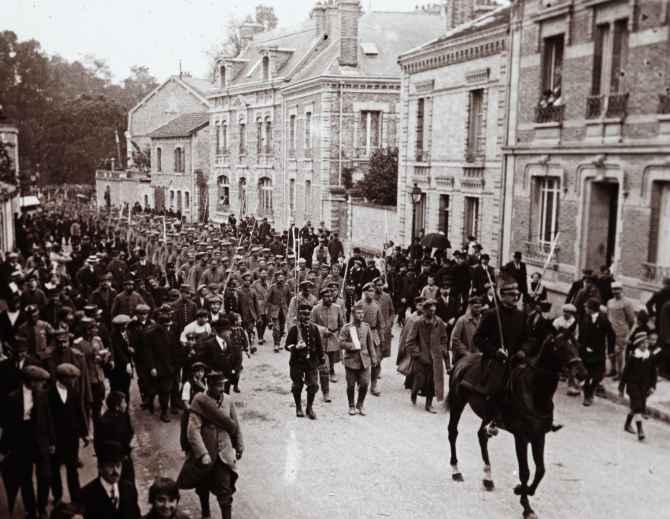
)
(72, 474)
(333, 358)
(17, 473)
(360, 377)
(596, 373)
(98, 391)
(120, 382)
(304, 376)
(175, 393)
(261, 325)
(220, 482)
(423, 380)
(324, 376)
(278, 324)
(163, 387)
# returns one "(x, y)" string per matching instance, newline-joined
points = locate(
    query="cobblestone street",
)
(394, 462)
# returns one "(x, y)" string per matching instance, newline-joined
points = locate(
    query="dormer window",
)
(222, 76)
(266, 68)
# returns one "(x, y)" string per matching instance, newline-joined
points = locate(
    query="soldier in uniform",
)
(261, 288)
(372, 315)
(360, 355)
(277, 308)
(328, 315)
(304, 343)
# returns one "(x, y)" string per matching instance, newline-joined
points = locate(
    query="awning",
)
(28, 201)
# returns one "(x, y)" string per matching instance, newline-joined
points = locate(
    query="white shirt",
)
(111, 490)
(27, 402)
(222, 343)
(62, 391)
(13, 316)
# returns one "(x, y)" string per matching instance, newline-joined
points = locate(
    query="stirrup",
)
(491, 429)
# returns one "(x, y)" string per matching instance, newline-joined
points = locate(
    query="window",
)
(547, 196)
(218, 139)
(224, 137)
(611, 50)
(266, 68)
(475, 124)
(146, 201)
(291, 196)
(259, 136)
(178, 200)
(552, 64)
(308, 198)
(308, 131)
(222, 76)
(243, 138)
(420, 107)
(291, 136)
(370, 131)
(471, 220)
(268, 136)
(187, 200)
(444, 214)
(159, 159)
(171, 199)
(223, 198)
(420, 215)
(265, 197)
(659, 249)
(179, 165)
(242, 195)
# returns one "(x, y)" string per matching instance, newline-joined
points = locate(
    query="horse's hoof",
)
(529, 515)
(488, 484)
(457, 477)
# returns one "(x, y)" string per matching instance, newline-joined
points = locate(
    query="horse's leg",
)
(521, 446)
(484, 447)
(537, 446)
(457, 406)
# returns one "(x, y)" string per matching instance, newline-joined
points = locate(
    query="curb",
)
(653, 411)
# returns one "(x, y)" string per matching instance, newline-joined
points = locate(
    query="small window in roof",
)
(369, 49)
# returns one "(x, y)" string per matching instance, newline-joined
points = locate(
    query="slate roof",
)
(183, 125)
(203, 86)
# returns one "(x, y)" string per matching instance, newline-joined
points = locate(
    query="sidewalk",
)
(658, 404)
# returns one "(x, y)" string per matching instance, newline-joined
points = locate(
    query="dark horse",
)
(527, 412)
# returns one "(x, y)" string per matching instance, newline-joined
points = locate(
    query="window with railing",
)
(608, 96)
(223, 197)
(475, 125)
(369, 129)
(444, 214)
(471, 218)
(243, 139)
(420, 116)
(264, 196)
(159, 159)
(658, 264)
(268, 136)
(308, 134)
(550, 107)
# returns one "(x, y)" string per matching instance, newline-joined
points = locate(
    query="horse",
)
(527, 413)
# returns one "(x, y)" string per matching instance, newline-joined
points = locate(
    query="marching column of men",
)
(179, 312)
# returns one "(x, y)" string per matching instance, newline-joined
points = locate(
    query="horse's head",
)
(565, 351)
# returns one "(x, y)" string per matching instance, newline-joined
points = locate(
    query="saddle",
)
(483, 376)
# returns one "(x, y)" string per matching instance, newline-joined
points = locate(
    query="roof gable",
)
(184, 125)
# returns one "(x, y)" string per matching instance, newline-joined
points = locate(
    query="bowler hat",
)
(110, 452)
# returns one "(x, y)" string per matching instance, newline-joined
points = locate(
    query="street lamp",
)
(416, 195)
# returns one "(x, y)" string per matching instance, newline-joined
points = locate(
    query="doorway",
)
(602, 207)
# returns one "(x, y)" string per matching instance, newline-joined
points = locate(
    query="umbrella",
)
(436, 240)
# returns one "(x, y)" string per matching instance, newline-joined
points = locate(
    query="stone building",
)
(588, 149)
(180, 165)
(9, 136)
(302, 108)
(453, 106)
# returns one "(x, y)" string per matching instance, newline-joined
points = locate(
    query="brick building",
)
(299, 109)
(453, 118)
(180, 165)
(588, 150)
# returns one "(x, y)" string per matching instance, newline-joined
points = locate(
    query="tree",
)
(265, 15)
(380, 183)
(139, 84)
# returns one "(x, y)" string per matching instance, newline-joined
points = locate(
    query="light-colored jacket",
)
(367, 351)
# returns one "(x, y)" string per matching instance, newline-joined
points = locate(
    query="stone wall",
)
(124, 187)
(373, 225)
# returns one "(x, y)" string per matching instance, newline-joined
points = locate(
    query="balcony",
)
(537, 252)
(617, 105)
(594, 106)
(654, 274)
(422, 156)
(549, 114)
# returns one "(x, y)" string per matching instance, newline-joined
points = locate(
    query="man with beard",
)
(127, 301)
(328, 316)
(303, 341)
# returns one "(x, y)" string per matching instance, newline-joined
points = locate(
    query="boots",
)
(226, 510)
(204, 506)
(309, 410)
(298, 404)
(362, 392)
(627, 426)
(640, 431)
(373, 388)
(429, 405)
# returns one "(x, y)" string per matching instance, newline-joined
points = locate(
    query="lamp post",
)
(416, 195)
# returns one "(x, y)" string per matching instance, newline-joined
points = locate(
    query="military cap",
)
(201, 312)
(368, 286)
(255, 250)
(12, 255)
(215, 376)
(35, 373)
(306, 284)
(185, 287)
(31, 309)
(278, 256)
(90, 309)
(107, 276)
(266, 250)
(568, 307)
(509, 286)
(67, 370)
(430, 302)
(325, 291)
(214, 299)
(304, 308)
(617, 285)
(198, 365)
(291, 256)
(121, 319)
(110, 452)
(142, 309)
(200, 287)
(476, 300)
(246, 275)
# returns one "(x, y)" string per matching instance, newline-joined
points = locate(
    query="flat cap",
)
(35, 373)
(121, 319)
(67, 370)
(142, 309)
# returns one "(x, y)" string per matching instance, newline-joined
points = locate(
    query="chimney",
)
(350, 11)
(462, 11)
(320, 20)
(247, 31)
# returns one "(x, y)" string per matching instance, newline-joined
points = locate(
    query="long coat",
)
(368, 355)
(69, 424)
(12, 439)
(329, 317)
(429, 342)
(261, 289)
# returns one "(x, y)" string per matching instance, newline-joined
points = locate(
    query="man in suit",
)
(360, 355)
(27, 442)
(69, 426)
(108, 496)
(161, 343)
(596, 339)
(517, 270)
(217, 353)
(479, 275)
(12, 366)
(103, 297)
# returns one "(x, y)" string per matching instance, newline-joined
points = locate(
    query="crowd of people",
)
(95, 301)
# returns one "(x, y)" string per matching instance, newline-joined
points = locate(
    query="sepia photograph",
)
(334, 259)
